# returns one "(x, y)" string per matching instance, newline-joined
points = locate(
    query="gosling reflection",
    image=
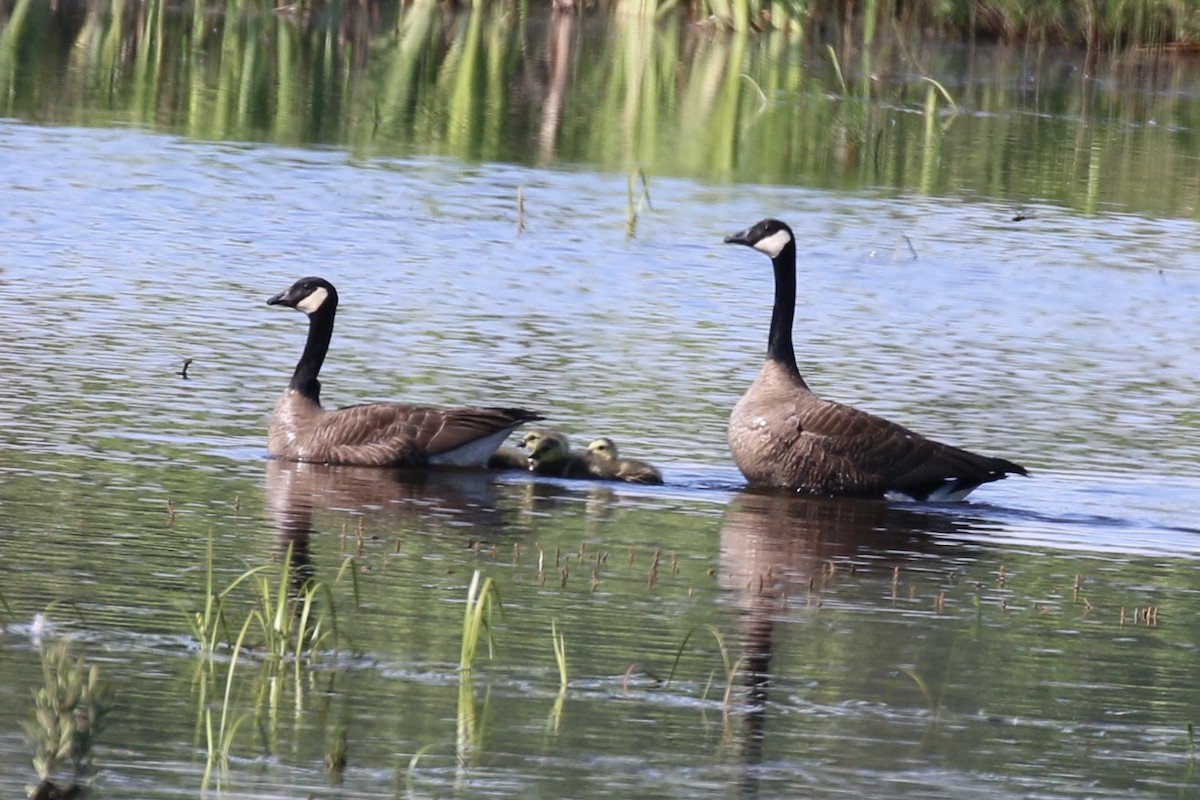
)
(776, 551)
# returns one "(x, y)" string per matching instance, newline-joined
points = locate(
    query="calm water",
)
(997, 648)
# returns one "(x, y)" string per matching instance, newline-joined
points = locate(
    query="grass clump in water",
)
(292, 617)
(291, 624)
(69, 712)
(731, 666)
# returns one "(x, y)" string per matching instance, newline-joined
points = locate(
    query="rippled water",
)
(993, 648)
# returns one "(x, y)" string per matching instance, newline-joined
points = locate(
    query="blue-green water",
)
(1037, 641)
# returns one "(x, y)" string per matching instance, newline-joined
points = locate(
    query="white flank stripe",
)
(473, 454)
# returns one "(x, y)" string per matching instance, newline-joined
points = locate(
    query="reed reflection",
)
(780, 550)
(614, 91)
(558, 58)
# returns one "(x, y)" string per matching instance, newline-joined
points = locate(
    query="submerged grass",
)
(286, 609)
(292, 618)
(287, 614)
(220, 741)
(209, 624)
(731, 666)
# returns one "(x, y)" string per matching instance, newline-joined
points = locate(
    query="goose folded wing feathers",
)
(442, 430)
(865, 454)
(894, 458)
(398, 434)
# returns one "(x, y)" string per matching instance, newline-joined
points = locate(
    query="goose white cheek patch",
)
(773, 245)
(314, 301)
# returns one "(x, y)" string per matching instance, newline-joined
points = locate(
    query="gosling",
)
(606, 463)
(550, 455)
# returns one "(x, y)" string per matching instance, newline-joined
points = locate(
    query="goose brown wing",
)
(882, 456)
(398, 434)
(440, 430)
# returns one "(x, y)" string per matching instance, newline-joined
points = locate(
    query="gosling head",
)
(309, 295)
(551, 448)
(603, 448)
(531, 439)
(769, 236)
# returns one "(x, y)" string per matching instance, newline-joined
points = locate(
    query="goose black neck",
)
(320, 331)
(779, 342)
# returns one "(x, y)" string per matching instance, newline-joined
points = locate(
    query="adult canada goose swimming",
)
(550, 454)
(607, 463)
(782, 434)
(374, 434)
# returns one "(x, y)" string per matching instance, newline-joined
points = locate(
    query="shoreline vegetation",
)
(867, 97)
(1105, 25)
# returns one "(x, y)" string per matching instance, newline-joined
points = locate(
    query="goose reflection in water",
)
(395, 501)
(776, 548)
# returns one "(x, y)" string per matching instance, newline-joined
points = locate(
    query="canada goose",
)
(550, 454)
(782, 434)
(374, 434)
(604, 454)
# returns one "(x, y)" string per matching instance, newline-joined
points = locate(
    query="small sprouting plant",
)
(477, 619)
(560, 658)
(208, 624)
(220, 739)
(560, 653)
(69, 712)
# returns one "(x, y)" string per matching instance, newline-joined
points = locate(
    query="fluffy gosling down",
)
(781, 434)
(605, 458)
(373, 434)
(550, 455)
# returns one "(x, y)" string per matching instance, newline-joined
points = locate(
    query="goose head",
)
(309, 295)
(769, 236)
(603, 448)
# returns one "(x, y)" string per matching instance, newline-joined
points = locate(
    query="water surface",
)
(1036, 641)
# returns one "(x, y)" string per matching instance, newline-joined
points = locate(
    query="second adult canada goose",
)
(374, 434)
(607, 463)
(782, 434)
